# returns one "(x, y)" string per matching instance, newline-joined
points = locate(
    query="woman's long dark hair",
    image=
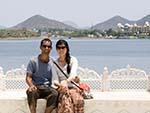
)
(60, 42)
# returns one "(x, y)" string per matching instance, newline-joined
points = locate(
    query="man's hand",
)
(32, 88)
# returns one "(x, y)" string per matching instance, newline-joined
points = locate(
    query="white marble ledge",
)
(17, 95)
(139, 95)
(103, 102)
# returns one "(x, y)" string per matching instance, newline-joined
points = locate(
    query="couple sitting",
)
(46, 80)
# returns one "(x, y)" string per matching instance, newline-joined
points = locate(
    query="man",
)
(40, 77)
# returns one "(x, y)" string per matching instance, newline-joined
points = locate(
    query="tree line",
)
(91, 33)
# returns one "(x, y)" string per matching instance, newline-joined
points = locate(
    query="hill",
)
(112, 22)
(70, 23)
(40, 22)
(143, 20)
(2, 27)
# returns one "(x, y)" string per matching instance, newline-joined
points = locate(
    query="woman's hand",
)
(64, 83)
(62, 89)
(77, 79)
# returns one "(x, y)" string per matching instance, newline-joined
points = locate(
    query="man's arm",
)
(32, 87)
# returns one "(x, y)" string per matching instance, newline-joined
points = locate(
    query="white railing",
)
(128, 79)
(90, 77)
(118, 80)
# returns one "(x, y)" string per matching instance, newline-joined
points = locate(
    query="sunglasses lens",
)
(61, 47)
(47, 46)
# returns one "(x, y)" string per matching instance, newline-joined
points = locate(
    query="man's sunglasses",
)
(46, 46)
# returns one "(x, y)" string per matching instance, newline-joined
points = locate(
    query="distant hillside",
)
(70, 23)
(2, 27)
(143, 20)
(111, 23)
(40, 22)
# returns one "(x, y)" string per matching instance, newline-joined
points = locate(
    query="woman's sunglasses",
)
(63, 47)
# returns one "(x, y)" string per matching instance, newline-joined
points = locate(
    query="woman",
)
(70, 99)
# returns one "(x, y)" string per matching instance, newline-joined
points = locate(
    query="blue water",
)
(93, 54)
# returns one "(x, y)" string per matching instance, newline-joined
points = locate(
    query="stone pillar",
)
(1, 71)
(148, 87)
(1, 79)
(105, 80)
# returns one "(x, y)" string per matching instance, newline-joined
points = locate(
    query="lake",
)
(94, 54)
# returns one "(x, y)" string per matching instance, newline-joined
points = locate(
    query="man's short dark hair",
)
(46, 39)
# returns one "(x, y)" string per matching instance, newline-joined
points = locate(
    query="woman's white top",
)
(73, 71)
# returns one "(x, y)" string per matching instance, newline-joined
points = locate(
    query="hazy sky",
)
(82, 12)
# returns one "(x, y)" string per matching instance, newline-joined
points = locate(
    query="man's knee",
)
(54, 93)
(32, 94)
(32, 97)
(52, 98)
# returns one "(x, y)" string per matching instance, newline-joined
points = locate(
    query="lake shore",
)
(41, 37)
(68, 38)
(20, 38)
